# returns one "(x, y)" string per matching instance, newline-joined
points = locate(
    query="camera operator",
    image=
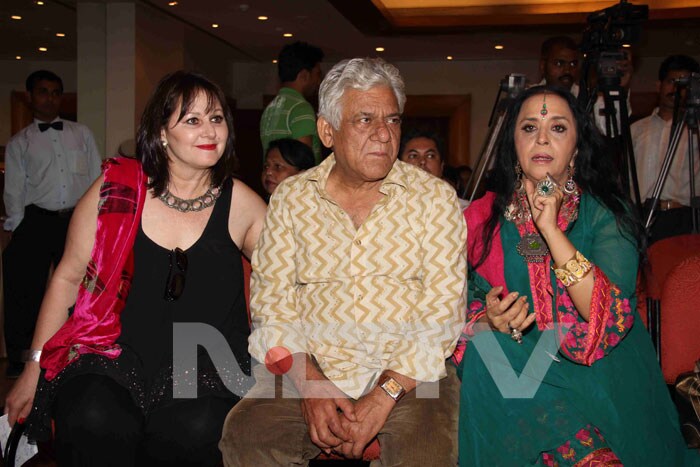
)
(559, 63)
(651, 139)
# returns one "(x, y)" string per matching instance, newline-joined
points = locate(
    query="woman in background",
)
(285, 157)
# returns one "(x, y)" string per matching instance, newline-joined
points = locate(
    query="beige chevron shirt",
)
(387, 296)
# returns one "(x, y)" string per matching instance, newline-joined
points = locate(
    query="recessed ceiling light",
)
(498, 47)
(16, 17)
(263, 18)
(449, 57)
(274, 61)
(379, 49)
(627, 46)
(18, 57)
(214, 25)
(287, 34)
(43, 49)
(172, 3)
(60, 34)
(39, 2)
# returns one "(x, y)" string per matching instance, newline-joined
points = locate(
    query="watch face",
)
(393, 388)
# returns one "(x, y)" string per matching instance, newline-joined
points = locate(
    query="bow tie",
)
(55, 125)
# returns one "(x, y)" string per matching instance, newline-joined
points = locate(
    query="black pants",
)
(36, 244)
(97, 423)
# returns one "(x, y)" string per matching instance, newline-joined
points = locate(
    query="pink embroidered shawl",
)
(95, 325)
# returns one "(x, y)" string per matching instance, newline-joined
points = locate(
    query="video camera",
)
(611, 28)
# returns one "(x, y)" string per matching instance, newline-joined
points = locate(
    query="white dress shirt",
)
(50, 169)
(650, 137)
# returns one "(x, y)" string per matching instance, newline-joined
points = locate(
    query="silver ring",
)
(545, 187)
(516, 335)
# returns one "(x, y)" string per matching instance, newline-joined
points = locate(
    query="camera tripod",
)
(512, 85)
(618, 132)
(687, 118)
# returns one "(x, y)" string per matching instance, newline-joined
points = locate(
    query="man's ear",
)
(658, 87)
(325, 132)
(303, 76)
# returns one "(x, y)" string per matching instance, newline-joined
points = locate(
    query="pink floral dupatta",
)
(95, 325)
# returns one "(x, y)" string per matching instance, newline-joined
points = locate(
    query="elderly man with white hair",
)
(357, 296)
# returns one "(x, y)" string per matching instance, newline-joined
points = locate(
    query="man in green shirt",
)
(290, 115)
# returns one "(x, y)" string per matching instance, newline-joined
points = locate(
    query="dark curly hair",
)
(175, 92)
(595, 170)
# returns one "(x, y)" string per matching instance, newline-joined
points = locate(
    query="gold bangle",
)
(573, 270)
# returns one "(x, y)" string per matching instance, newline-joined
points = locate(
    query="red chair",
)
(372, 451)
(663, 256)
(680, 319)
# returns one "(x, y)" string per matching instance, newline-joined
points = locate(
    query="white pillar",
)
(106, 77)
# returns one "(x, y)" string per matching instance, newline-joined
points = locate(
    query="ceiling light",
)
(449, 57)
(498, 47)
(274, 61)
(627, 46)
(263, 18)
(172, 3)
(17, 17)
(379, 49)
(43, 49)
(40, 3)
(60, 34)
(18, 57)
(287, 34)
(214, 25)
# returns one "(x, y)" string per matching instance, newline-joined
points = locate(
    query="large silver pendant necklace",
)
(191, 205)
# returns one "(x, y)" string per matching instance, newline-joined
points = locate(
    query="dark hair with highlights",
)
(176, 92)
(595, 172)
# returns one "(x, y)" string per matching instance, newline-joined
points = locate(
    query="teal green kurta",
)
(622, 394)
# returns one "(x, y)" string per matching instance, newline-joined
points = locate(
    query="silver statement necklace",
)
(191, 205)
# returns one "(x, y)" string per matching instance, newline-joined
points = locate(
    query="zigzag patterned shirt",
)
(387, 296)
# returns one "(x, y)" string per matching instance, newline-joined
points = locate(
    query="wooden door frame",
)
(457, 108)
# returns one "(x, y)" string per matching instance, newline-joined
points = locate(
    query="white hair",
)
(361, 74)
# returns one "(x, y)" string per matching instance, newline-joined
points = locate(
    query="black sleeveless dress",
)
(212, 299)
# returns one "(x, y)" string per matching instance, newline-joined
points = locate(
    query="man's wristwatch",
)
(392, 387)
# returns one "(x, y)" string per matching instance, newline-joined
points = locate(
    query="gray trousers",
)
(420, 431)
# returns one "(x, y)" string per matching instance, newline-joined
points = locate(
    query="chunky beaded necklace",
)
(191, 205)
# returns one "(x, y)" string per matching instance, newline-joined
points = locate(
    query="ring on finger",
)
(516, 334)
(546, 187)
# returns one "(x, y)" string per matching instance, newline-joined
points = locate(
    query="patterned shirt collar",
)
(397, 176)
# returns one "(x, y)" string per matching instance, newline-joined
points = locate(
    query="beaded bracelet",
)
(573, 270)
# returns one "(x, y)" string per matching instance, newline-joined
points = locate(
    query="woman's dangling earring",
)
(570, 185)
(519, 186)
(165, 144)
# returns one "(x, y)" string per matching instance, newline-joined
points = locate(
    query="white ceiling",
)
(314, 21)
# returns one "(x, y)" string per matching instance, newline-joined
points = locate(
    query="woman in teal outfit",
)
(556, 367)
